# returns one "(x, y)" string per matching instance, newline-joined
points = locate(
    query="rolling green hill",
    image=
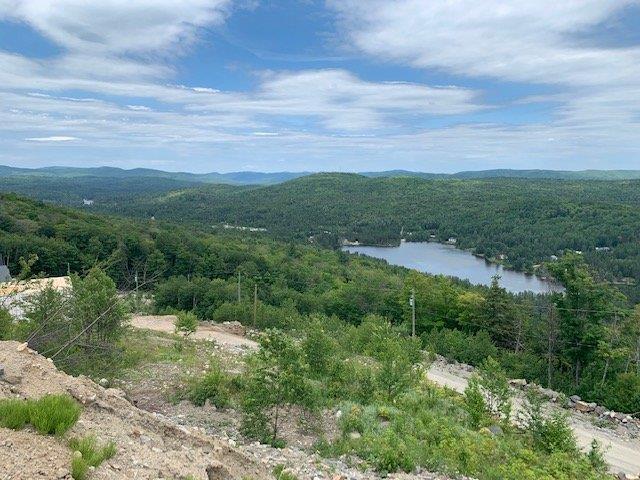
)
(271, 178)
(526, 220)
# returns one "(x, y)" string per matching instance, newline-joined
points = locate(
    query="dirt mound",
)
(149, 446)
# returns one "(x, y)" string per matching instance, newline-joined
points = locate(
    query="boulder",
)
(627, 476)
(583, 407)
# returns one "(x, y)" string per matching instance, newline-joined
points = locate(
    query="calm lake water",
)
(439, 259)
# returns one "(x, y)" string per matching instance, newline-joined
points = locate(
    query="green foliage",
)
(90, 455)
(475, 404)
(54, 414)
(186, 323)
(6, 325)
(214, 386)
(466, 348)
(550, 433)
(494, 385)
(281, 473)
(49, 415)
(14, 414)
(276, 375)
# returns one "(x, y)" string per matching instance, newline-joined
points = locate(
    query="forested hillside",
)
(526, 220)
(591, 334)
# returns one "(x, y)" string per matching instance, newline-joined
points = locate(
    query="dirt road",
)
(165, 324)
(623, 455)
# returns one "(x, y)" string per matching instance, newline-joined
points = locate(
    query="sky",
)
(306, 85)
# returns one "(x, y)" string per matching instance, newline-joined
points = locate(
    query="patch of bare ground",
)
(157, 387)
(149, 446)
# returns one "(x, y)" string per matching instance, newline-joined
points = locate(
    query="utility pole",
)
(255, 304)
(238, 287)
(412, 302)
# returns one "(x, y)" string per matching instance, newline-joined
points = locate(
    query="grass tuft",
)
(14, 414)
(49, 415)
(90, 455)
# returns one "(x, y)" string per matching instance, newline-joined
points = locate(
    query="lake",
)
(439, 259)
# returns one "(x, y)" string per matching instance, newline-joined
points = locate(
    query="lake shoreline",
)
(438, 258)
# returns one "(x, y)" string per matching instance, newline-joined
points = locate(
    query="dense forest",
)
(525, 222)
(585, 341)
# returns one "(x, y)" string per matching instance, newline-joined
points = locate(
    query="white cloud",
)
(529, 41)
(118, 26)
(54, 138)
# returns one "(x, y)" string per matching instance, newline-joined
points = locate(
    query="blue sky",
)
(350, 85)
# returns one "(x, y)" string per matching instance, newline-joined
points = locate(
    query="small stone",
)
(354, 435)
(11, 379)
(104, 383)
(575, 398)
(518, 383)
(22, 347)
(583, 407)
(77, 454)
(62, 473)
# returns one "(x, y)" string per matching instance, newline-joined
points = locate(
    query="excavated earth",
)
(149, 446)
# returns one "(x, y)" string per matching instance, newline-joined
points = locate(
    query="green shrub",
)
(475, 405)
(552, 433)
(49, 415)
(213, 386)
(186, 323)
(54, 414)
(280, 472)
(79, 468)
(14, 414)
(6, 325)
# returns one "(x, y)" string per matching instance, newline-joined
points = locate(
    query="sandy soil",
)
(149, 446)
(206, 331)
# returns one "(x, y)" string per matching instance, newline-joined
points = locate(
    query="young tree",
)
(493, 383)
(186, 323)
(46, 325)
(96, 310)
(276, 376)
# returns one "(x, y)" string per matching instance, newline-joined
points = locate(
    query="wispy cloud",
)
(54, 138)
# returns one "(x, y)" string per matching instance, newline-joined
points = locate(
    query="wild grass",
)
(49, 415)
(87, 453)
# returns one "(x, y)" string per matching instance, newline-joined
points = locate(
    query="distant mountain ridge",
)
(270, 178)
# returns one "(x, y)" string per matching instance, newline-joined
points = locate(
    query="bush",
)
(91, 455)
(475, 405)
(50, 415)
(186, 323)
(213, 386)
(550, 434)
(472, 349)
